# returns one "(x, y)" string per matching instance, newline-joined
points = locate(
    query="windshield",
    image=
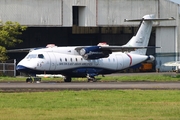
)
(30, 56)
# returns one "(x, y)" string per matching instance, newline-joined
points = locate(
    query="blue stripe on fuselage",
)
(75, 72)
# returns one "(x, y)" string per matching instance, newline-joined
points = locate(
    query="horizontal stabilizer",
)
(155, 19)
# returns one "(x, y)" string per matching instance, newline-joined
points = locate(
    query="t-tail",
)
(141, 39)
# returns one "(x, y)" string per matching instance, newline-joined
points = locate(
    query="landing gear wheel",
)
(29, 80)
(37, 79)
(92, 79)
(67, 79)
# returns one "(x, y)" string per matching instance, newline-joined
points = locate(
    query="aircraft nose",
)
(21, 68)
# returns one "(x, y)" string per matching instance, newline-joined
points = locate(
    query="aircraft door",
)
(43, 61)
(53, 61)
(119, 59)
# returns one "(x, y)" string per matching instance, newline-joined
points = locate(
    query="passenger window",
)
(109, 60)
(40, 56)
(66, 59)
(60, 59)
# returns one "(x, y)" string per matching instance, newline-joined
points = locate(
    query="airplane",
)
(90, 61)
(173, 64)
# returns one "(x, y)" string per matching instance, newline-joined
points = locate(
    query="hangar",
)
(88, 22)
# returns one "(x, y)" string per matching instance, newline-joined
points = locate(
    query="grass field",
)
(91, 105)
(94, 104)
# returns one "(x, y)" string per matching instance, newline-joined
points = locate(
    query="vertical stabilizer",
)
(141, 39)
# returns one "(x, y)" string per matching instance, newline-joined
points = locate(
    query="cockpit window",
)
(30, 56)
(40, 56)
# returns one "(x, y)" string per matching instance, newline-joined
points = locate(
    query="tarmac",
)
(57, 86)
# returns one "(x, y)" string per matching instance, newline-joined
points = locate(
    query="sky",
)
(176, 1)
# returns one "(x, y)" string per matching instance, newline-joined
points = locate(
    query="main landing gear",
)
(31, 80)
(91, 78)
(67, 79)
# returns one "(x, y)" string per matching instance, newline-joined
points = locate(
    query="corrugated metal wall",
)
(165, 38)
(91, 12)
(87, 12)
(168, 9)
(113, 12)
(32, 12)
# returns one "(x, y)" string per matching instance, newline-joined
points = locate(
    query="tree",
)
(9, 33)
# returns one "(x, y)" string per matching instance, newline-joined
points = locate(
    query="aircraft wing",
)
(30, 49)
(23, 50)
(19, 50)
(113, 48)
(96, 52)
(123, 48)
(172, 63)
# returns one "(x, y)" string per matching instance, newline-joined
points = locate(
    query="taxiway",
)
(52, 86)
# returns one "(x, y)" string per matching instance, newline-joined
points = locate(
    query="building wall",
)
(165, 38)
(32, 12)
(168, 9)
(87, 12)
(113, 12)
(92, 13)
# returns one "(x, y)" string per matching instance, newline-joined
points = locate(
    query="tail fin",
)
(141, 39)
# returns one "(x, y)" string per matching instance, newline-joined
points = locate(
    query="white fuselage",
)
(59, 59)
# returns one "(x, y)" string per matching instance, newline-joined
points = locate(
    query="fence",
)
(8, 68)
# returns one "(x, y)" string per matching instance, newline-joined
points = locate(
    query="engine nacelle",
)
(95, 55)
(93, 52)
(86, 50)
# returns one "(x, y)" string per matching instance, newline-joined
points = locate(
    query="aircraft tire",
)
(37, 79)
(29, 80)
(67, 79)
(93, 79)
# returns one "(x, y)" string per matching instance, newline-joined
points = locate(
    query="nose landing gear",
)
(29, 80)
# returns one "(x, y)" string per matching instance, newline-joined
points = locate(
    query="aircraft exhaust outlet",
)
(150, 58)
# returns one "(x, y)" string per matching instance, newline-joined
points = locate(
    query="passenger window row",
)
(76, 59)
(65, 59)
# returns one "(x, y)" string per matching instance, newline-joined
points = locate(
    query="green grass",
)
(144, 77)
(91, 105)
(124, 77)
